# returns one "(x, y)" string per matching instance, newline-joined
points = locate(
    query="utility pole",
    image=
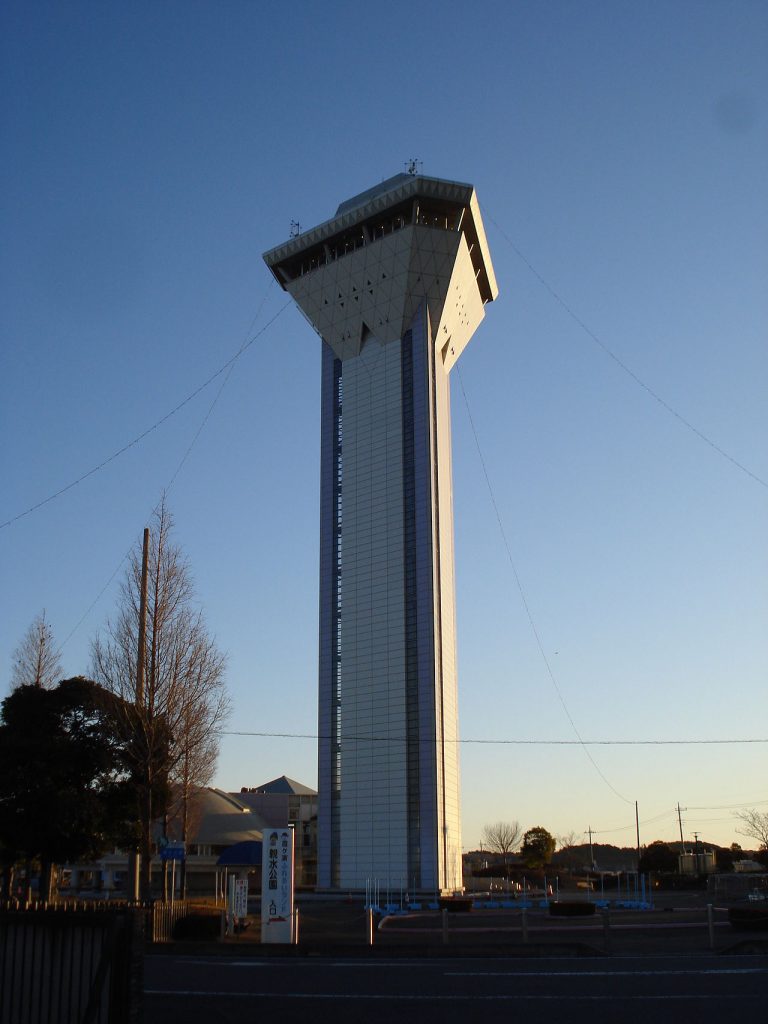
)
(637, 831)
(680, 823)
(135, 858)
(591, 855)
(141, 655)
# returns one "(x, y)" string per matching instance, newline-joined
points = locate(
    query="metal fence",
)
(65, 965)
(737, 886)
(161, 918)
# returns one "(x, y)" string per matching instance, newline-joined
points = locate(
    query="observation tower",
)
(395, 284)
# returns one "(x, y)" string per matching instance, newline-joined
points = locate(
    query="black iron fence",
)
(71, 964)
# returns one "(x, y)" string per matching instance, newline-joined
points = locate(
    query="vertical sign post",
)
(231, 905)
(277, 886)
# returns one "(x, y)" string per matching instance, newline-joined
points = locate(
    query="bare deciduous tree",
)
(754, 825)
(568, 840)
(502, 837)
(184, 702)
(36, 661)
(569, 855)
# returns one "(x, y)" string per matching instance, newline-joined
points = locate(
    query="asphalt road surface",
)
(616, 990)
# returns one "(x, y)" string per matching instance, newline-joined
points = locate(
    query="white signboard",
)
(240, 908)
(277, 885)
(237, 902)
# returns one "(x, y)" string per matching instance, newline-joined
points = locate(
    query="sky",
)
(617, 387)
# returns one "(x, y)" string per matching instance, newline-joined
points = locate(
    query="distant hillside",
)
(606, 857)
(624, 858)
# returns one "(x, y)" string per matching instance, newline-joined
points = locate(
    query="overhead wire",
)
(232, 363)
(632, 824)
(493, 742)
(229, 366)
(670, 813)
(524, 599)
(145, 433)
(704, 821)
(731, 807)
(620, 362)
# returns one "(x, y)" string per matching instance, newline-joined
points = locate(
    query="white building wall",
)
(373, 825)
(451, 871)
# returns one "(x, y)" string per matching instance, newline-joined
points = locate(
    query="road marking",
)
(372, 963)
(289, 964)
(390, 997)
(559, 929)
(602, 974)
(406, 963)
(292, 964)
(221, 962)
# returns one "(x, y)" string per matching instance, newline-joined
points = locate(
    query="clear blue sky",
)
(153, 151)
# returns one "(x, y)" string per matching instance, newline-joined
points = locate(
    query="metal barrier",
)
(60, 965)
(161, 918)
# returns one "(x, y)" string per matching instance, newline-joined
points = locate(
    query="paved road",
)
(629, 990)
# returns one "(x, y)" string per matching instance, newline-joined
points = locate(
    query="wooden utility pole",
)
(591, 855)
(135, 865)
(680, 823)
(141, 656)
(637, 830)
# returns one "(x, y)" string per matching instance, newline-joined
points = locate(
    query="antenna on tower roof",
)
(413, 166)
(295, 229)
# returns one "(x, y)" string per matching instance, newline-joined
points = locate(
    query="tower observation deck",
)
(395, 285)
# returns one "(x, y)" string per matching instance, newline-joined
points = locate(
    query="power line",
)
(706, 821)
(731, 807)
(632, 824)
(531, 622)
(93, 604)
(145, 433)
(246, 342)
(621, 364)
(499, 742)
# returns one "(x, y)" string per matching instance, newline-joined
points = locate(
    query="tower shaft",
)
(395, 285)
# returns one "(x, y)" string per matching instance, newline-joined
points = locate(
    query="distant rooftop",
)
(286, 786)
